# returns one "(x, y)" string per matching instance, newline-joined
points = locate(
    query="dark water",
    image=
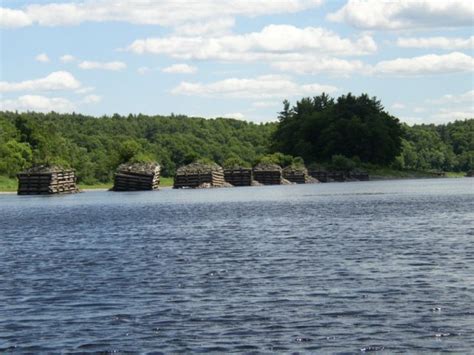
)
(317, 268)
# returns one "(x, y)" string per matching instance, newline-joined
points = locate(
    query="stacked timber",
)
(239, 176)
(268, 174)
(199, 175)
(470, 173)
(47, 180)
(339, 176)
(137, 177)
(296, 174)
(358, 175)
(320, 175)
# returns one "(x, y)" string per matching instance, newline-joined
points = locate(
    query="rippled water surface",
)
(311, 268)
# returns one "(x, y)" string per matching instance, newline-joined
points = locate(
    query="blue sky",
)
(240, 58)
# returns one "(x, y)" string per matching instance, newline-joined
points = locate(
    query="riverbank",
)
(392, 174)
(8, 185)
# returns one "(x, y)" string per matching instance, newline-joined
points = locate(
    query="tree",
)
(318, 128)
(14, 157)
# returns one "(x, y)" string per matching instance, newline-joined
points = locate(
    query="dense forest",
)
(96, 146)
(320, 130)
(359, 128)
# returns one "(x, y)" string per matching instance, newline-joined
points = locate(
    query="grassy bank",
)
(7, 184)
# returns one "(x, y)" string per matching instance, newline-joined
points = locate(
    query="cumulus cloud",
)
(180, 69)
(426, 65)
(236, 115)
(262, 87)
(447, 43)
(60, 80)
(444, 109)
(467, 97)
(213, 27)
(272, 41)
(168, 13)
(43, 58)
(445, 115)
(10, 18)
(453, 106)
(398, 106)
(265, 104)
(114, 66)
(67, 58)
(405, 14)
(37, 103)
(85, 90)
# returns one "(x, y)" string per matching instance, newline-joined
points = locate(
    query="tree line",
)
(318, 130)
(322, 129)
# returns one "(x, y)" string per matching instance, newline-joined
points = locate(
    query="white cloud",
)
(405, 14)
(236, 115)
(265, 104)
(467, 97)
(60, 80)
(67, 58)
(262, 87)
(114, 66)
(426, 65)
(10, 18)
(180, 69)
(453, 106)
(37, 103)
(213, 27)
(271, 42)
(397, 106)
(447, 43)
(168, 13)
(444, 109)
(92, 99)
(85, 90)
(43, 58)
(445, 115)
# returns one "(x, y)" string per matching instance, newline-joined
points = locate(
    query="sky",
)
(239, 58)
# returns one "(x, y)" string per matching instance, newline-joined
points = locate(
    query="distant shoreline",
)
(372, 178)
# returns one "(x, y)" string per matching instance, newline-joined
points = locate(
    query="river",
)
(330, 268)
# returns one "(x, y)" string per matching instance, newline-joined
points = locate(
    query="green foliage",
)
(298, 162)
(315, 129)
(204, 161)
(235, 162)
(96, 146)
(444, 147)
(318, 128)
(15, 157)
(342, 163)
(8, 184)
(142, 158)
(280, 159)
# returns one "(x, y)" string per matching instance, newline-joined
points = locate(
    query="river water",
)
(332, 268)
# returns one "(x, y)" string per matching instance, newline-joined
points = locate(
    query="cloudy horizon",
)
(238, 58)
